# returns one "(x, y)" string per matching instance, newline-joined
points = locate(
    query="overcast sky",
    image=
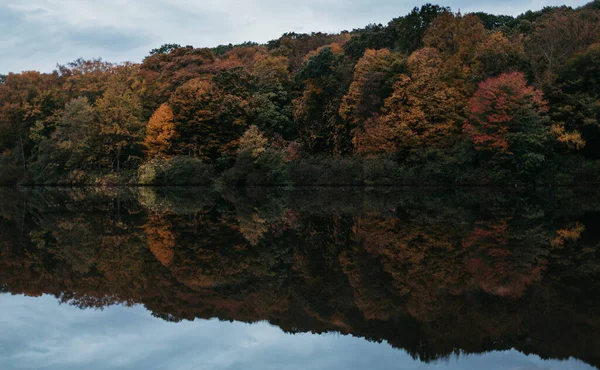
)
(38, 34)
(38, 333)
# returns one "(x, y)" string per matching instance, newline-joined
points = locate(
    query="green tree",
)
(77, 133)
(410, 29)
(165, 49)
(494, 21)
(374, 36)
(326, 78)
(577, 103)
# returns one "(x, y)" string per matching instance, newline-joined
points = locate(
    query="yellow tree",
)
(458, 39)
(208, 120)
(497, 54)
(252, 142)
(423, 110)
(271, 70)
(160, 132)
(373, 80)
(456, 34)
(119, 111)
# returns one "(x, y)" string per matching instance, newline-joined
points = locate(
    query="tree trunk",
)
(23, 153)
(119, 160)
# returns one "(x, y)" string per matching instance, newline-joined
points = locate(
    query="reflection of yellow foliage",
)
(201, 282)
(563, 235)
(161, 240)
(253, 228)
(153, 202)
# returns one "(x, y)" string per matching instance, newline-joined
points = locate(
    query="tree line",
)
(432, 97)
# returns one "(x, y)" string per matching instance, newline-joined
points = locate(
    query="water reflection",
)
(431, 273)
(129, 338)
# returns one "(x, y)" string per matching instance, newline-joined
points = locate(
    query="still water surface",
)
(305, 279)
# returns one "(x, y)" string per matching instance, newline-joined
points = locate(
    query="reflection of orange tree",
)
(375, 300)
(203, 247)
(420, 259)
(160, 239)
(421, 279)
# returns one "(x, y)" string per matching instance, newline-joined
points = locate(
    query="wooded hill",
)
(432, 97)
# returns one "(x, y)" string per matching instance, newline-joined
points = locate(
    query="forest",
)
(434, 97)
(435, 273)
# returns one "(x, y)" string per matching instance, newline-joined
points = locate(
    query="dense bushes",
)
(271, 168)
(428, 168)
(177, 171)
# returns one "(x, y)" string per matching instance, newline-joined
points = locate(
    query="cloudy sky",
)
(38, 34)
(38, 333)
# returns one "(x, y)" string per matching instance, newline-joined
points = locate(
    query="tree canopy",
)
(431, 88)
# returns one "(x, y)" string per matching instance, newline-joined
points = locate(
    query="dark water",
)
(306, 279)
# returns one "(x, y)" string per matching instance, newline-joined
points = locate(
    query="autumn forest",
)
(433, 97)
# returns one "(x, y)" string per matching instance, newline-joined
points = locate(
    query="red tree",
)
(503, 105)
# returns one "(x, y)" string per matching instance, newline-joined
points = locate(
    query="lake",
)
(314, 278)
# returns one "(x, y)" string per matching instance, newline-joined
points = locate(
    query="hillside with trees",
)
(433, 97)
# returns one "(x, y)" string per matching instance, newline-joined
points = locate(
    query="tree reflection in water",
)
(433, 272)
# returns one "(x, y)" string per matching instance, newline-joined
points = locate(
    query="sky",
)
(39, 333)
(38, 34)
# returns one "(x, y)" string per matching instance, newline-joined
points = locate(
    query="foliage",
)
(411, 28)
(577, 99)
(252, 142)
(325, 79)
(422, 110)
(374, 76)
(508, 123)
(120, 125)
(463, 269)
(374, 36)
(178, 171)
(160, 132)
(559, 36)
(415, 94)
(165, 49)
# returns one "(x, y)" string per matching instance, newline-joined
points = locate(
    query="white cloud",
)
(39, 33)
